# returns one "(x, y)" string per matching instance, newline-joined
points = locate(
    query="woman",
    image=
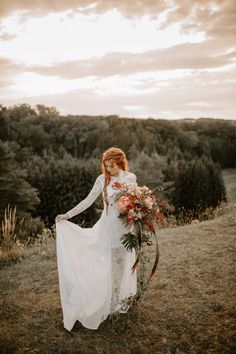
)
(94, 268)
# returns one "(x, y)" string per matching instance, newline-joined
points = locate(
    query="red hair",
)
(114, 155)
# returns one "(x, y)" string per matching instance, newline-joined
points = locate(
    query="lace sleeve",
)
(131, 178)
(92, 196)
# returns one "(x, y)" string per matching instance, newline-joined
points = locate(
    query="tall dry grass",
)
(10, 247)
(186, 217)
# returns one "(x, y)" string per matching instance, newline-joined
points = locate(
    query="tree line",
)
(49, 162)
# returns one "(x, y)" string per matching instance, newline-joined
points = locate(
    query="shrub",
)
(62, 183)
(14, 189)
(199, 186)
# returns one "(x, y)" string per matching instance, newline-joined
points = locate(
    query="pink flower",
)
(117, 185)
(123, 202)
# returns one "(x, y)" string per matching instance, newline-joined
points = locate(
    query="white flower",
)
(149, 202)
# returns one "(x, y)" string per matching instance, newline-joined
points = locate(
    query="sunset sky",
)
(151, 58)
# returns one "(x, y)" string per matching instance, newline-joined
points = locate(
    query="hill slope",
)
(189, 307)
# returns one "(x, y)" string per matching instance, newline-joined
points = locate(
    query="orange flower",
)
(160, 216)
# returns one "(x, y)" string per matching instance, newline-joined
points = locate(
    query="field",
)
(189, 307)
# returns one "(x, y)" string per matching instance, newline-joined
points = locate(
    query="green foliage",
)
(199, 185)
(46, 111)
(62, 183)
(28, 228)
(14, 189)
(149, 168)
(85, 136)
(156, 150)
(130, 241)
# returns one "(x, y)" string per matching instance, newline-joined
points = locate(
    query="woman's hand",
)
(62, 217)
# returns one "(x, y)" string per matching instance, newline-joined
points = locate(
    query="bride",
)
(94, 268)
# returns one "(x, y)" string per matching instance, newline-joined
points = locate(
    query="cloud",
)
(184, 56)
(5, 36)
(211, 13)
(206, 83)
(8, 70)
(128, 8)
(40, 6)
(216, 18)
(184, 97)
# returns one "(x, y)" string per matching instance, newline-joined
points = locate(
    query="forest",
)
(49, 162)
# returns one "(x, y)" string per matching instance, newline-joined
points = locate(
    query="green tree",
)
(62, 183)
(149, 169)
(199, 185)
(14, 189)
(46, 111)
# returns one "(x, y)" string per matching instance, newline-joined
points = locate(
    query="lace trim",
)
(118, 264)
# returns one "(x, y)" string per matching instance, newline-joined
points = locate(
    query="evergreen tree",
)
(149, 169)
(14, 189)
(62, 183)
(199, 185)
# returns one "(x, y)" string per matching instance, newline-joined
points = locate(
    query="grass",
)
(10, 248)
(188, 308)
(229, 176)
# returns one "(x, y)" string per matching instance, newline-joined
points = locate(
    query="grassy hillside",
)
(229, 176)
(189, 307)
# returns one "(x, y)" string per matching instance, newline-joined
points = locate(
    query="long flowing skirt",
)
(94, 270)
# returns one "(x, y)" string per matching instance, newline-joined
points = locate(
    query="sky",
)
(153, 58)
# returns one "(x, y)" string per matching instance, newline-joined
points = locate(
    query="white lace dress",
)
(94, 268)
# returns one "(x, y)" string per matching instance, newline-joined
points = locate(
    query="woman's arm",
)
(92, 196)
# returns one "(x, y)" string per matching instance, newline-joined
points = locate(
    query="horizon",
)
(119, 116)
(165, 60)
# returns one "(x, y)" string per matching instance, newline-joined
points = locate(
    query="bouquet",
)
(140, 213)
